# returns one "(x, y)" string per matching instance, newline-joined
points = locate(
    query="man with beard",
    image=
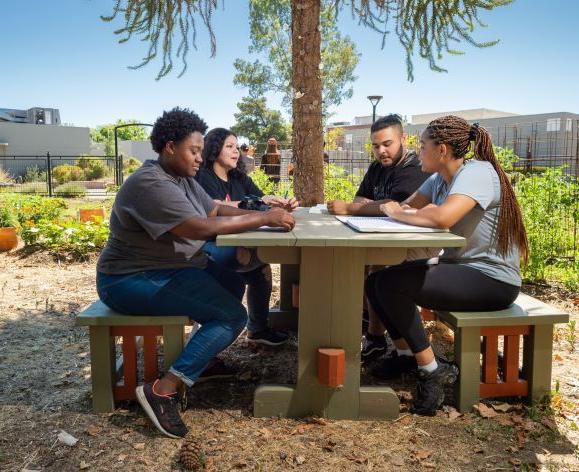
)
(394, 175)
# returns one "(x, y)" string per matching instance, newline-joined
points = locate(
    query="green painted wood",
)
(537, 361)
(172, 344)
(258, 238)
(378, 403)
(273, 400)
(525, 310)
(98, 314)
(467, 356)
(102, 370)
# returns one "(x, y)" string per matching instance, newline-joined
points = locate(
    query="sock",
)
(431, 367)
(404, 352)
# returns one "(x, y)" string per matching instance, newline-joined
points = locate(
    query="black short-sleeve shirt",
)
(237, 187)
(394, 182)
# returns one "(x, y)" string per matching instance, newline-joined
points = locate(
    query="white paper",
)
(384, 224)
(319, 208)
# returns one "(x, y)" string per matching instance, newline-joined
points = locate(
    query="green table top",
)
(325, 230)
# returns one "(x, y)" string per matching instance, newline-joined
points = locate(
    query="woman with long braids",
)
(473, 198)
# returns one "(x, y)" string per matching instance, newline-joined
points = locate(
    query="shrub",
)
(265, 184)
(338, 184)
(5, 176)
(130, 165)
(76, 239)
(30, 188)
(93, 168)
(8, 217)
(70, 190)
(32, 209)
(34, 174)
(67, 173)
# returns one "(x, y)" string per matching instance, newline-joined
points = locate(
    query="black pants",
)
(395, 291)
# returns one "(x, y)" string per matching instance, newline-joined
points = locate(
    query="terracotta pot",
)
(94, 215)
(8, 239)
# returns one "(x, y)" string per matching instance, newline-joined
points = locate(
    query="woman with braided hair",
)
(473, 198)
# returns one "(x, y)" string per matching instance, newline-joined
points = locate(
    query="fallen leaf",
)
(504, 420)
(266, 433)
(479, 450)
(139, 446)
(422, 454)
(512, 449)
(515, 461)
(148, 462)
(320, 421)
(240, 465)
(121, 457)
(576, 301)
(83, 465)
(93, 430)
(66, 438)
(557, 357)
(484, 411)
(549, 423)
(301, 429)
(357, 459)
(299, 460)
(502, 407)
(453, 414)
(397, 461)
(124, 437)
(521, 439)
(429, 465)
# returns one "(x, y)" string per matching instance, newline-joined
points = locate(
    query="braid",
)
(458, 134)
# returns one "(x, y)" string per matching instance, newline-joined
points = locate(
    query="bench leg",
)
(102, 371)
(537, 361)
(172, 344)
(467, 356)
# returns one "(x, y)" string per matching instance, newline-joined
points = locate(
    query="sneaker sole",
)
(142, 399)
(266, 342)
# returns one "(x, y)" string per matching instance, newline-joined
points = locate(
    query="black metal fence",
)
(65, 176)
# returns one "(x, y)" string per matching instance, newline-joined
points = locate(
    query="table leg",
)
(287, 316)
(331, 288)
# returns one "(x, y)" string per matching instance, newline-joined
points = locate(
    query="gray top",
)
(149, 204)
(479, 181)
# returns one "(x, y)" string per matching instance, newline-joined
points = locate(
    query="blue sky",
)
(60, 54)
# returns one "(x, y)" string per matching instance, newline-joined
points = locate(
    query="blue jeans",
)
(258, 283)
(210, 296)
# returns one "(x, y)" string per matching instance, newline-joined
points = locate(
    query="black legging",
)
(395, 291)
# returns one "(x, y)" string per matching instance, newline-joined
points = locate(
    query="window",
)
(348, 138)
(553, 124)
(569, 125)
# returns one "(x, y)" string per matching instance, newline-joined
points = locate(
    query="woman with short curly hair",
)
(154, 263)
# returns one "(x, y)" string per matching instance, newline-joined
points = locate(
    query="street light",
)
(374, 100)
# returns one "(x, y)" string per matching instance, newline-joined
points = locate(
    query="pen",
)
(285, 194)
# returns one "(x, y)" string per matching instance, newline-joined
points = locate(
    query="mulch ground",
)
(45, 389)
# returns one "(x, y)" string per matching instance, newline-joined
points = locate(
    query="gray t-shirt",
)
(149, 204)
(479, 181)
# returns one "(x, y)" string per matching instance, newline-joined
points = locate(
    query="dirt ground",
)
(45, 389)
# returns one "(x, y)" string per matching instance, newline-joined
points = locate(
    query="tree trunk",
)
(308, 141)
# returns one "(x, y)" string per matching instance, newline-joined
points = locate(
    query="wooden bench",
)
(500, 376)
(104, 326)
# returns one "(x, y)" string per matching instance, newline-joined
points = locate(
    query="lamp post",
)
(374, 100)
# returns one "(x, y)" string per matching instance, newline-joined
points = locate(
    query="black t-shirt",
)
(236, 187)
(394, 182)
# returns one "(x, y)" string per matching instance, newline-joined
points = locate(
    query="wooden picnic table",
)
(330, 258)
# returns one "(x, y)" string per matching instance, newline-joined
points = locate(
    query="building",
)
(26, 136)
(547, 139)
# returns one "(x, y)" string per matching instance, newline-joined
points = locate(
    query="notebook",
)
(383, 224)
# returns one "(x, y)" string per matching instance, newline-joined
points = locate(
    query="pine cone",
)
(192, 456)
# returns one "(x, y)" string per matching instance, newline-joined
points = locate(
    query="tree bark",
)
(308, 141)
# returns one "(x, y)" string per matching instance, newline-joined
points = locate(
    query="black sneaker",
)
(163, 411)
(394, 366)
(373, 347)
(217, 370)
(365, 320)
(268, 337)
(430, 388)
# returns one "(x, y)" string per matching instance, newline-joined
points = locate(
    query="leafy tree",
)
(270, 29)
(427, 28)
(106, 134)
(333, 137)
(258, 123)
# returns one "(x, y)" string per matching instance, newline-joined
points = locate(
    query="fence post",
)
(121, 170)
(49, 173)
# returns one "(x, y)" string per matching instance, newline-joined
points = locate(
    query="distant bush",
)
(130, 165)
(67, 173)
(70, 190)
(265, 184)
(34, 174)
(93, 168)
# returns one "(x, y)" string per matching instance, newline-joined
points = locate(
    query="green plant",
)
(93, 168)
(338, 184)
(70, 190)
(130, 165)
(34, 174)
(67, 238)
(67, 173)
(8, 217)
(32, 209)
(571, 335)
(5, 176)
(265, 184)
